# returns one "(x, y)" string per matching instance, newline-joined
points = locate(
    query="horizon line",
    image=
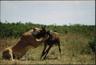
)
(6, 21)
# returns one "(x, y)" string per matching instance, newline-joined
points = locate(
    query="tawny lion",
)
(28, 39)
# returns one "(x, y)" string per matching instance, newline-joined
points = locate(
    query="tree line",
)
(16, 29)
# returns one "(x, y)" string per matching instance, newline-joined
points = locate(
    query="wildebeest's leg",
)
(59, 47)
(47, 51)
(43, 52)
(58, 43)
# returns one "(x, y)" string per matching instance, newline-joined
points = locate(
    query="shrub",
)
(92, 45)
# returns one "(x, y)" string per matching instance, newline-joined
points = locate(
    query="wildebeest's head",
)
(42, 33)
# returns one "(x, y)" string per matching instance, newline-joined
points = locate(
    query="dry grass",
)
(73, 52)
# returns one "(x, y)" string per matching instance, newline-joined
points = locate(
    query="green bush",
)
(92, 45)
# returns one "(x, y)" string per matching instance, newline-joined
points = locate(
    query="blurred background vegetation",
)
(16, 29)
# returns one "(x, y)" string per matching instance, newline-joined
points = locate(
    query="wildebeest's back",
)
(55, 35)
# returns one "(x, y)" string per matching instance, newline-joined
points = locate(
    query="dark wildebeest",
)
(53, 39)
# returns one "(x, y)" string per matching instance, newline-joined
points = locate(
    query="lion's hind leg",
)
(7, 54)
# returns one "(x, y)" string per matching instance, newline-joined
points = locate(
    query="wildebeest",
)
(32, 38)
(53, 39)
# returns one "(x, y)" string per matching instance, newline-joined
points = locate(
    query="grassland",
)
(75, 48)
(74, 51)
